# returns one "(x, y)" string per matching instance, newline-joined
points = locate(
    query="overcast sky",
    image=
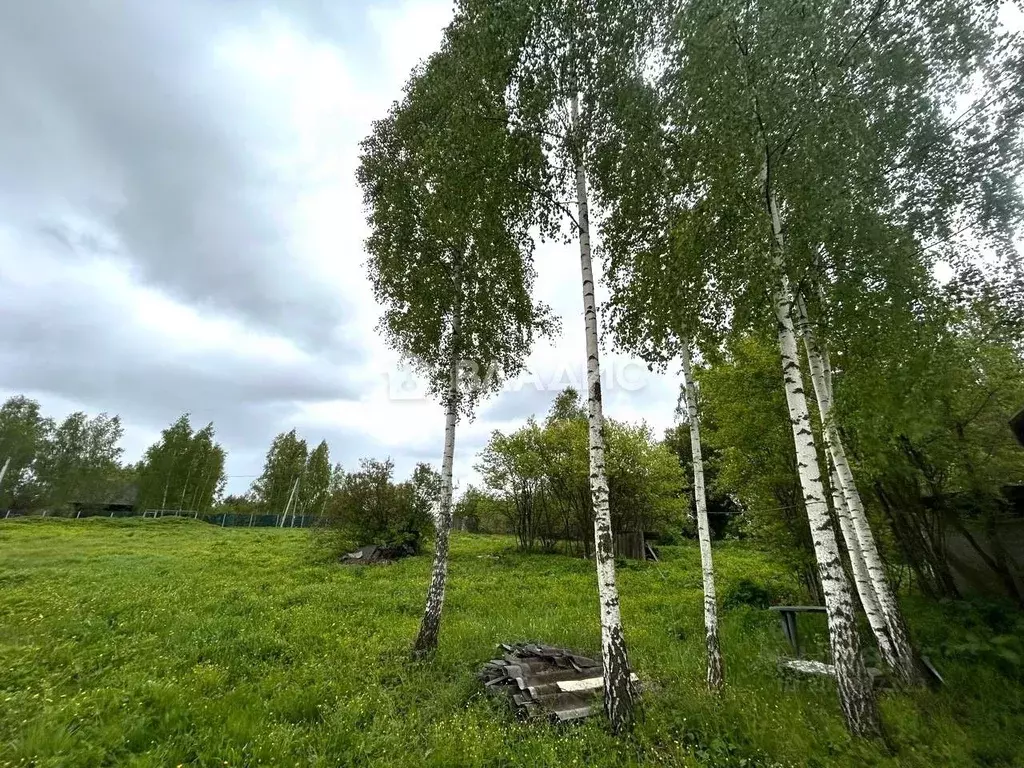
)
(180, 229)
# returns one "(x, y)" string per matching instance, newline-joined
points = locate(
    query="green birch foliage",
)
(659, 236)
(285, 463)
(744, 423)
(930, 401)
(183, 470)
(79, 460)
(206, 478)
(857, 107)
(22, 430)
(551, 51)
(315, 488)
(164, 466)
(450, 211)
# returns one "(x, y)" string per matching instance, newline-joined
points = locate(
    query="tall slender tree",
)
(715, 674)
(849, 145)
(165, 465)
(316, 484)
(184, 470)
(855, 693)
(557, 57)
(450, 248)
(657, 309)
(869, 577)
(79, 460)
(22, 432)
(284, 465)
(618, 690)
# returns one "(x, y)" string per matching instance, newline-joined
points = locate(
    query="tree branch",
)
(864, 30)
(557, 203)
(515, 124)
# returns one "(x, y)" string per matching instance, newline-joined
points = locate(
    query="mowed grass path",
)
(171, 642)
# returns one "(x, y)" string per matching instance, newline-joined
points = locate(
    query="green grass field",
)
(170, 642)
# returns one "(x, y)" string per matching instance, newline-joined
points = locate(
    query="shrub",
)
(370, 508)
(747, 592)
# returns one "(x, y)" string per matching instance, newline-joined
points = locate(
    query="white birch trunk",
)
(184, 489)
(902, 654)
(861, 577)
(426, 640)
(295, 498)
(288, 504)
(200, 490)
(3, 472)
(856, 695)
(618, 691)
(715, 673)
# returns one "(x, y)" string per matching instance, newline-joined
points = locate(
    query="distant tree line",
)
(51, 464)
(183, 470)
(77, 464)
(537, 481)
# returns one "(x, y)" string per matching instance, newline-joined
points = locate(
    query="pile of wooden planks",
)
(545, 681)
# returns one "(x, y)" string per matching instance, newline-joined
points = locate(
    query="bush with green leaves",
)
(540, 477)
(369, 507)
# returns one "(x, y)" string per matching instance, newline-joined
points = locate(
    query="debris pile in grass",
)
(375, 554)
(544, 681)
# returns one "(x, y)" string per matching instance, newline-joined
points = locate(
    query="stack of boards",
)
(546, 682)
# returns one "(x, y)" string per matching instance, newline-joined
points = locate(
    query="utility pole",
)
(287, 506)
(2, 473)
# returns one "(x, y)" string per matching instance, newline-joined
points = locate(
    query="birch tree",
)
(618, 691)
(715, 674)
(846, 144)
(316, 484)
(855, 692)
(450, 249)
(79, 460)
(559, 56)
(658, 304)
(206, 478)
(23, 430)
(880, 607)
(165, 465)
(284, 465)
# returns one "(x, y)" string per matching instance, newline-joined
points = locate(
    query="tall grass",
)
(172, 642)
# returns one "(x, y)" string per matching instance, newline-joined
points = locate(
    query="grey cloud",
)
(518, 404)
(117, 110)
(625, 383)
(123, 137)
(77, 345)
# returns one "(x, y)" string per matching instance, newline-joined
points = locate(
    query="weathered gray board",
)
(630, 544)
(544, 681)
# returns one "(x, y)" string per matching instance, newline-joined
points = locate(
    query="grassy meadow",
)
(174, 642)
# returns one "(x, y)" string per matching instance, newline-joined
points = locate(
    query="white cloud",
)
(297, 107)
(407, 34)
